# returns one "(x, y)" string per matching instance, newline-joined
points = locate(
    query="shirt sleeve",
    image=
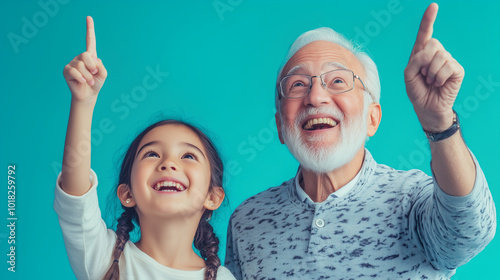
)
(88, 241)
(232, 260)
(451, 230)
(224, 274)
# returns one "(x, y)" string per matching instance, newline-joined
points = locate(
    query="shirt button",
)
(320, 223)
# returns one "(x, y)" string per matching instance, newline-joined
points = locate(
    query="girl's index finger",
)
(91, 45)
(426, 28)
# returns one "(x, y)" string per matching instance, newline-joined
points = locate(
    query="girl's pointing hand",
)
(86, 74)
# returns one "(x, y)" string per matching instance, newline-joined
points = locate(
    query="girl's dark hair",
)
(205, 240)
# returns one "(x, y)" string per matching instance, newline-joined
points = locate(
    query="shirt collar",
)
(343, 191)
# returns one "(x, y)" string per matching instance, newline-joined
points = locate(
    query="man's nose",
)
(317, 94)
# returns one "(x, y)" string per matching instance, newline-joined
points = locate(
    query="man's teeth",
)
(178, 186)
(312, 122)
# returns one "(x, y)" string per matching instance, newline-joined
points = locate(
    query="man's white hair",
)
(371, 80)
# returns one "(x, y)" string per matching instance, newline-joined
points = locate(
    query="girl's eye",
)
(189, 156)
(151, 154)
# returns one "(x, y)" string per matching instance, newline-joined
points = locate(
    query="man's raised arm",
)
(433, 79)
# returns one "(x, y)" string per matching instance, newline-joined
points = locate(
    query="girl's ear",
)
(125, 195)
(214, 198)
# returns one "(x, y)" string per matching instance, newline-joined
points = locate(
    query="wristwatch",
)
(438, 136)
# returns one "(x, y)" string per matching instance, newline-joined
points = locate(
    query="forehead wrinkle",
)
(325, 51)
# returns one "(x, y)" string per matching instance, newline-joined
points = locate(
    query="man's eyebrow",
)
(193, 146)
(297, 68)
(145, 145)
(335, 64)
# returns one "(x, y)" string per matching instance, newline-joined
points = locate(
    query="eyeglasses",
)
(334, 82)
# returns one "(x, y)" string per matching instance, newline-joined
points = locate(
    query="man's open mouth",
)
(319, 123)
(169, 186)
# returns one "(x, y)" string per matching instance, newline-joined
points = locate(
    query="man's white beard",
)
(324, 159)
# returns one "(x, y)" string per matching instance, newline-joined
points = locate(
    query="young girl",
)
(170, 182)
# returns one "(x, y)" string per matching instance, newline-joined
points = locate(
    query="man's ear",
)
(125, 195)
(214, 198)
(278, 126)
(374, 117)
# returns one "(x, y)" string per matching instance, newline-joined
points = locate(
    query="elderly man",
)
(343, 216)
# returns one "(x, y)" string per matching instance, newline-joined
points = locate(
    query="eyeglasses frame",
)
(323, 84)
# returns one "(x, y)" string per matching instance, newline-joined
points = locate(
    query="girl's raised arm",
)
(85, 75)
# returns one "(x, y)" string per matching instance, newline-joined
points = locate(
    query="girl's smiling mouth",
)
(168, 185)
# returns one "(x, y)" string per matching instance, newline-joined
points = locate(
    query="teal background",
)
(222, 66)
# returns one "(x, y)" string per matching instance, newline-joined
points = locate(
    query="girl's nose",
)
(168, 164)
(171, 167)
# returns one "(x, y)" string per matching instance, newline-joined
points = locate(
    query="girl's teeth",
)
(178, 186)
